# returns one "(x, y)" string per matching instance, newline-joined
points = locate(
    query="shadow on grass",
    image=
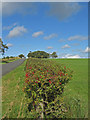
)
(5, 62)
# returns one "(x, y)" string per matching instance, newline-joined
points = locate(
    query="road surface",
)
(6, 68)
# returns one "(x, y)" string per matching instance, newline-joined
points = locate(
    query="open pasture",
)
(76, 91)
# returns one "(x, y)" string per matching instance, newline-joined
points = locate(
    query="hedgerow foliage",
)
(44, 83)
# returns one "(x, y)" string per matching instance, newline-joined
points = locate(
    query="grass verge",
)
(12, 94)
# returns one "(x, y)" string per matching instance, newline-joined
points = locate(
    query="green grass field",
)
(77, 88)
(75, 93)
(7, 61)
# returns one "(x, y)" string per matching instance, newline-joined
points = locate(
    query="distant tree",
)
(54, 55)
(3, 57)
(38, 54)
(29, 54)
(3, 47)
(21, 55)
(7, 57)
(11, 57)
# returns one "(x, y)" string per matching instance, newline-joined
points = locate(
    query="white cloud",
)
(63, 10)
(9, 27)
(71, 56)
(50, 36)
(78, 37)
(9, 45)
(62, 40)
(17, 31)
(87, 50)
(49, 47)
(66, 46)
(10, 8)
(36, 34)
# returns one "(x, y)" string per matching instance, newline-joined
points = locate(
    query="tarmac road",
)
(6, 68)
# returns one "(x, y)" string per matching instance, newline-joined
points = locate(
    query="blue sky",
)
(60, 27)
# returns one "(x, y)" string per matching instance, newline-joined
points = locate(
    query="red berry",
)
(60, 83)
(26, 75)
(36, 82)
(50, 81)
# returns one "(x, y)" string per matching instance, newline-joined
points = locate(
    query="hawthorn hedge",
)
(44, 83)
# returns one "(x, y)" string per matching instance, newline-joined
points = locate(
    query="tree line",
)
(35, 54)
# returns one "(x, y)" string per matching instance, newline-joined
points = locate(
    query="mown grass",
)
(75, 93)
